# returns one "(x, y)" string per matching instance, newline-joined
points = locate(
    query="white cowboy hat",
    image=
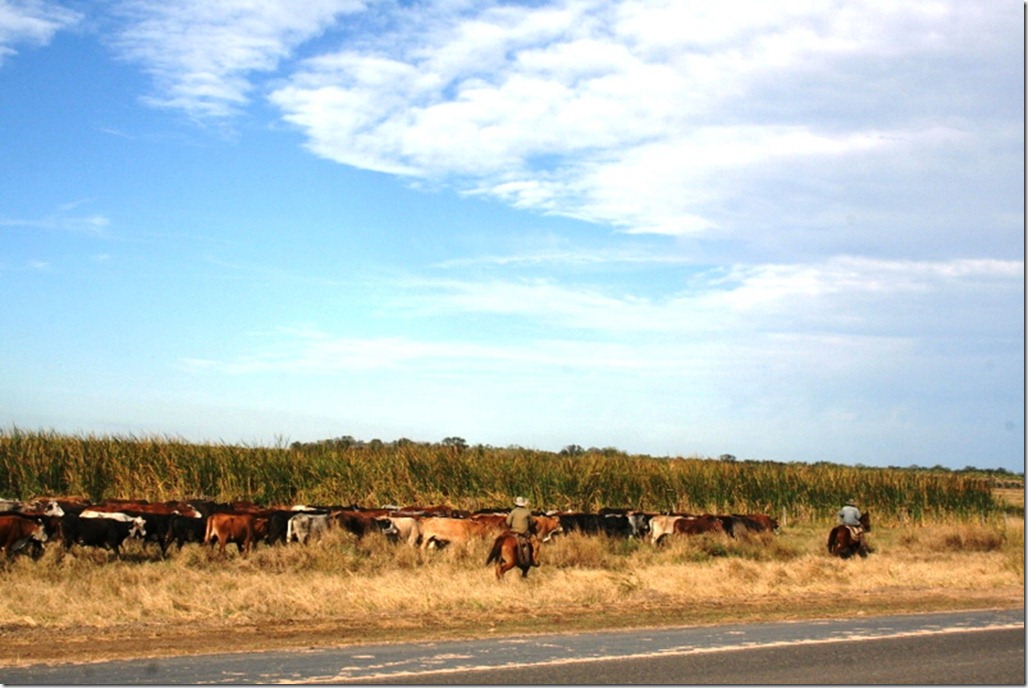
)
(520, 501)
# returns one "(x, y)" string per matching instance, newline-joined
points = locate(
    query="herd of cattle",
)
(28, 526)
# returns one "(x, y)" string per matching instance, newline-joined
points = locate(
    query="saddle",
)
(855, 532)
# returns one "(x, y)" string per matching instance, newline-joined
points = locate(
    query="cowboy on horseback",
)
(519, 521)
(849, 516)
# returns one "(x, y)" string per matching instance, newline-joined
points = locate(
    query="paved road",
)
(963, 647)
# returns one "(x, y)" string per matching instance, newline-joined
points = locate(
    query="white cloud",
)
(667, 118)
(203, 54)
(64, 221)
(651, 117)
(846, 312)
(31, 22)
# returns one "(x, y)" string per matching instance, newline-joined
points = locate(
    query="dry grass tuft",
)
(955, 538)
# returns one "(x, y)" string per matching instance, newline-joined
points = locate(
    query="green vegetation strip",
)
(346, 471)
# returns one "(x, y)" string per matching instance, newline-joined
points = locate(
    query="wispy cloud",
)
(597, 111)
(845, 295)
(202, 55)
(565, 255)
(786, 313)
(64, 221)
(32, 23)
(663, 118)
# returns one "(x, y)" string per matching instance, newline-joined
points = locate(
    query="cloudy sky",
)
(784, 231)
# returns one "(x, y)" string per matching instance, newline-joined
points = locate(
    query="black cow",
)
(206, 507)
(107, 533)
(278, 524)
(634, 524)
(183, 529)
(578, 522)
(157, 528)
(617, 526)
(753, 523)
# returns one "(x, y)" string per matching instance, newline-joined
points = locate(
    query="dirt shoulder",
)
(26, 645)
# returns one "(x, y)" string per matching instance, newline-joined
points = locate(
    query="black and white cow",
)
(100, 531)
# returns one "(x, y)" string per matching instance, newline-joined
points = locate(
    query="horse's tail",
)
(497, 550)
(831, 539)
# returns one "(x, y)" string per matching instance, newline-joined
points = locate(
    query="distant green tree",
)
(456, 443)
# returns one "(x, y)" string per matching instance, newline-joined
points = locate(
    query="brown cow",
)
(18, 531)
(144, 507)
(360, 523)
(758, 523)
(696, 525)
(67, 504)
(497, 520)
(437, 511)
(545, 527)
(242, 529)
(439, 531)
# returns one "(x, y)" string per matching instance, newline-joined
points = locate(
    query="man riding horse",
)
(519, 520)
(847, 538)
(849, 516)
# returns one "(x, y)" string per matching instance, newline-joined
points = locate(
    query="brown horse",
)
(842, 543)
(508, 553)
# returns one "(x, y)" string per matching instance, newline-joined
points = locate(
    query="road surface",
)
(985, 647)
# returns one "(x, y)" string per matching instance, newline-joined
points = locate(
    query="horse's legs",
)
(505, 561)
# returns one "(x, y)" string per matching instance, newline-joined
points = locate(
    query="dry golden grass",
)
(1010, 495)
(342, 590)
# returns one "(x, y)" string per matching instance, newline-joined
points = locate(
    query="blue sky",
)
(784, 231)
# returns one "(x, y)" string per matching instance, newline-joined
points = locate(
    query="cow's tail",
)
(496, 552)
(208, 532)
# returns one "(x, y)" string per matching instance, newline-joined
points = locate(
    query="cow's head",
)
(137, 528)
(53, 509)
(546, 527)
(640, 524)
(388, 528)
(189, 511)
